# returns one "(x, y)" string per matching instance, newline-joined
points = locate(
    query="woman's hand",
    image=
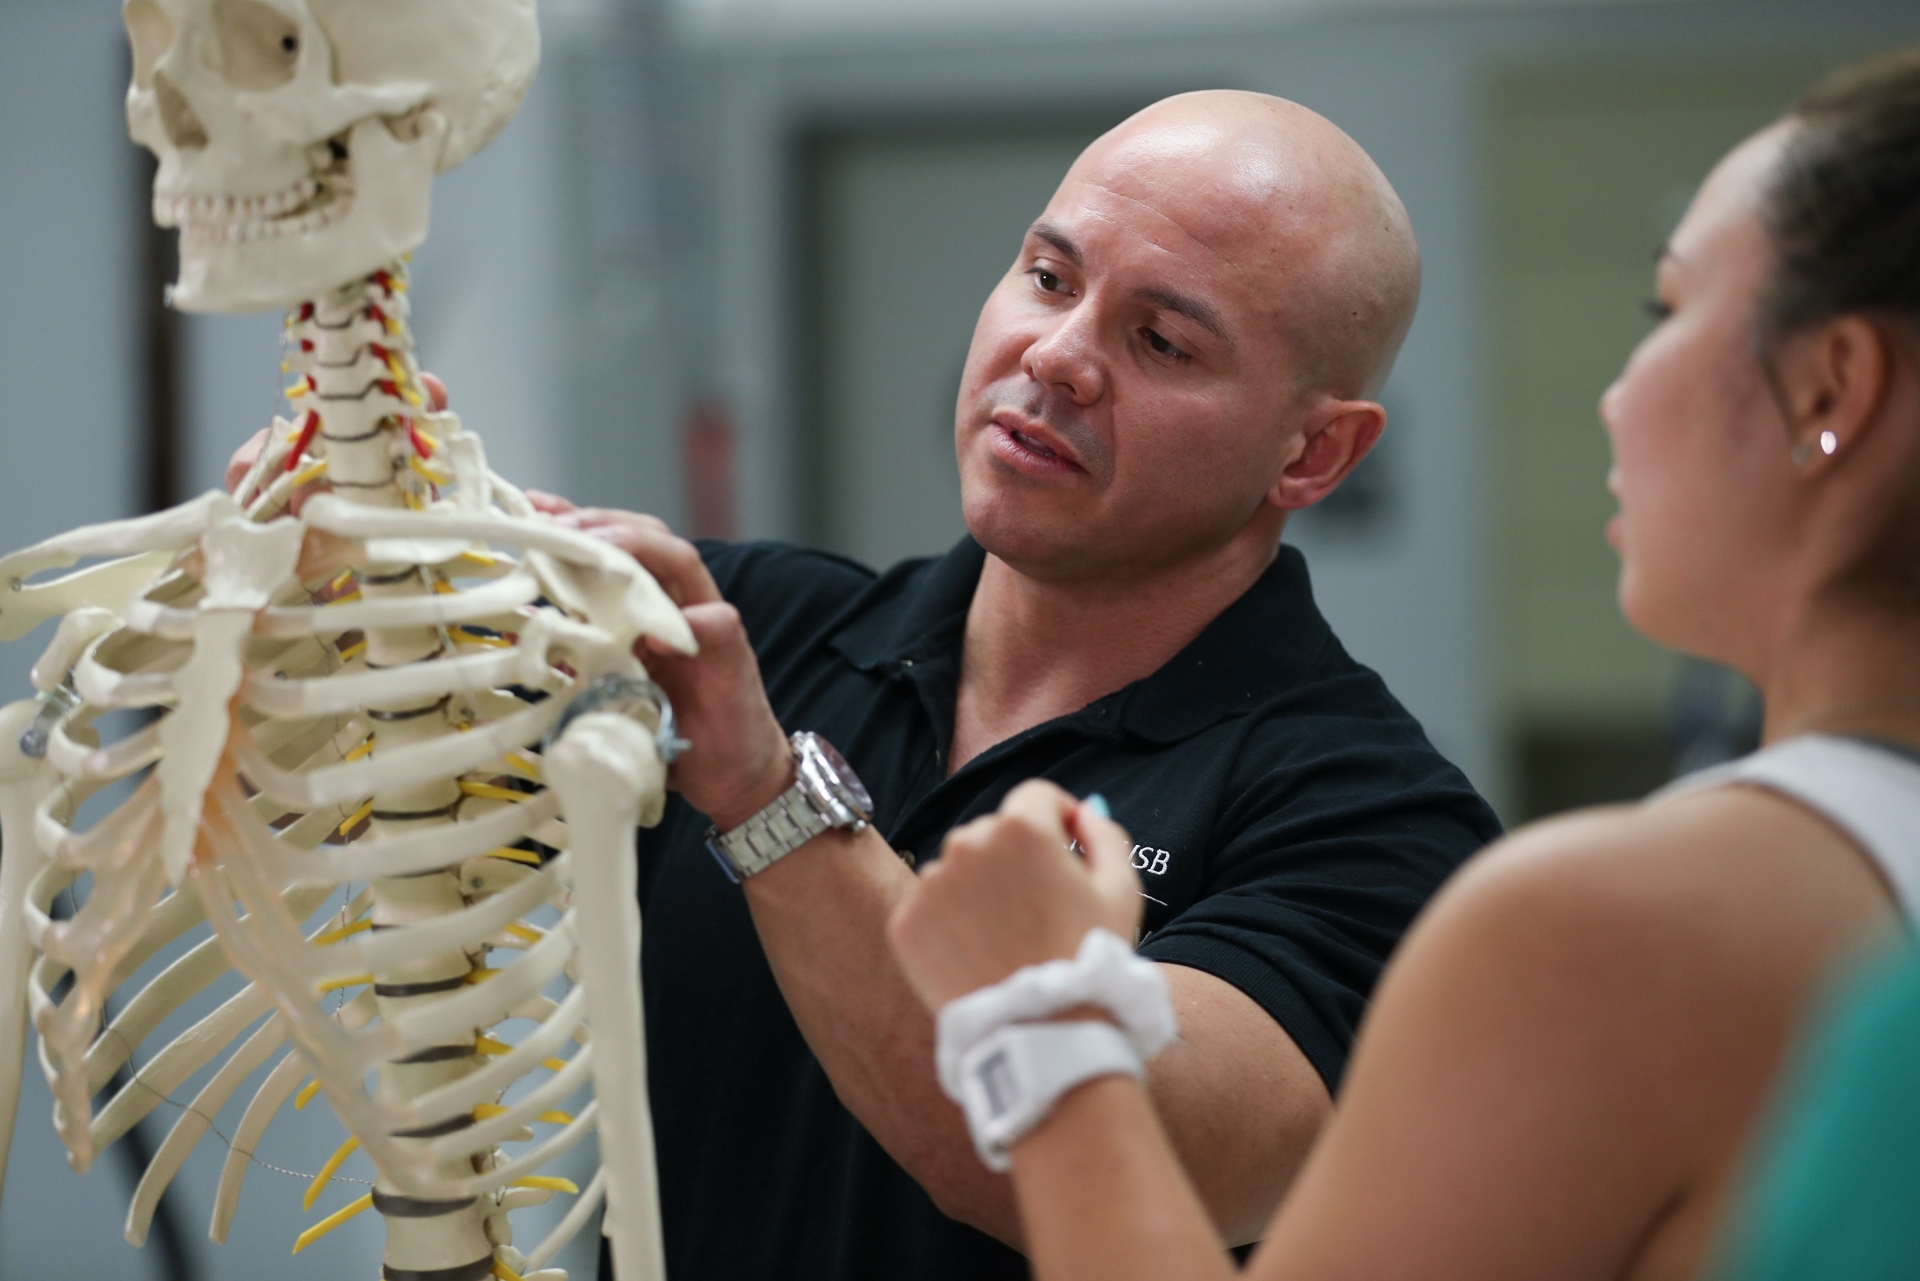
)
(1010, 890)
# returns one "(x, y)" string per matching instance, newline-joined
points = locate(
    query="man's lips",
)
(1030, 442)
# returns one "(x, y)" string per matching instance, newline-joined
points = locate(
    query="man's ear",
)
(1337, 435)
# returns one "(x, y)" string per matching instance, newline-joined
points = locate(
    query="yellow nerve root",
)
(358, 817)
(488, 792)
(326, 1174)
(336, 985)
(550, 1184)
(305, 1096)
(467, 637)
(331, 1222)
(504, 1273)
(487, 1111)
(428, 474)
(517, 856)
(487, 1045)
(344, 932)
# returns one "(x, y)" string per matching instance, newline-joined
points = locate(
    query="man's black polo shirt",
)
(1291, 818)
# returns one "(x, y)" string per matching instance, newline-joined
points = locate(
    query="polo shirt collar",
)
(925, 615)
(1264, 644)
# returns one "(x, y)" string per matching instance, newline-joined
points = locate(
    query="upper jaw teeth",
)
(232, 211)
(1034, 445)
(221, 233)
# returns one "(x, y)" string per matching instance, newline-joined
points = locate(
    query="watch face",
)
(843, 777)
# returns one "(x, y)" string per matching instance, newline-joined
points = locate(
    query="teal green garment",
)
(1837, 1195)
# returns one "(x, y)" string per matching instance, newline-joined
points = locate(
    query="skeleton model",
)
(373, 675)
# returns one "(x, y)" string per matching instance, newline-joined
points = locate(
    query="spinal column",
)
(364, 437)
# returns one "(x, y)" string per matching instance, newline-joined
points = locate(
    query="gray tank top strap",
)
(1869, 791)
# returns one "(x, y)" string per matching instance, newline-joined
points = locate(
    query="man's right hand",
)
(739, 761)
(244, 458)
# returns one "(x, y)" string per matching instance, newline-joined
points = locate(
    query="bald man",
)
(1185, 352)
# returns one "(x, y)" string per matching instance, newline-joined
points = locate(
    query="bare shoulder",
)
(1715, 866)
(1622, 984)
(1704, 924)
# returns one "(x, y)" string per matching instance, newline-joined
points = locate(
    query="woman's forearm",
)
(1103, 1198)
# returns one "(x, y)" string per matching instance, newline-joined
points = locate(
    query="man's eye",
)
(1161, 346)
(1048, 282)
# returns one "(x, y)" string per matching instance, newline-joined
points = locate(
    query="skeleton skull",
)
(298, 139)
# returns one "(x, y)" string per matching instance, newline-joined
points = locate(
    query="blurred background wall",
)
(725, 267)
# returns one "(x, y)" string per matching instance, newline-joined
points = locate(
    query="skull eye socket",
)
(259, 45)
(151, 33)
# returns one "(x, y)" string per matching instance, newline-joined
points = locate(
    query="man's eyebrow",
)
(1197, 310)
(1200, 312)
(1059, 240)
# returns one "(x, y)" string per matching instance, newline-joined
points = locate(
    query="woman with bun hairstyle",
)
(1563, 1067)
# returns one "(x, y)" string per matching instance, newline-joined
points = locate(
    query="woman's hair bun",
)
(1844, 206)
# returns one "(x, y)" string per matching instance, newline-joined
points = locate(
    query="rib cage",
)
(359, 695)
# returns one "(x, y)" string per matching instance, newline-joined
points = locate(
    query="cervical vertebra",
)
(412, 694)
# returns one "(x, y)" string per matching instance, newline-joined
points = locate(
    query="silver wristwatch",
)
(826, 794)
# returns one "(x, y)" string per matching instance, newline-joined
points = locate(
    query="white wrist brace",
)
(1007, 1071)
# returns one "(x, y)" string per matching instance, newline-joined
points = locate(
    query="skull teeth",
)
(207, 211)
(242, 227)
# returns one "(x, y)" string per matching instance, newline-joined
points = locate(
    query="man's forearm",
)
(822, 915)
(1237, 1097)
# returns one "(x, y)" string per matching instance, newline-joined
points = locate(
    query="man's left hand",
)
(739, 760)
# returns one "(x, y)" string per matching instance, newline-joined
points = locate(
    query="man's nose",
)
(1068, 357)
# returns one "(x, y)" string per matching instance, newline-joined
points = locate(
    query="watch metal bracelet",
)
(779, 829)
(826, 795)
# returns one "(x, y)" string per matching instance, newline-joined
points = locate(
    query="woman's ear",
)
(1832, 382)
(1337, 436)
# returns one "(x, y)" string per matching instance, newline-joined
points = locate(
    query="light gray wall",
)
(68, 215)
(1415, 600)
(68, 211)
